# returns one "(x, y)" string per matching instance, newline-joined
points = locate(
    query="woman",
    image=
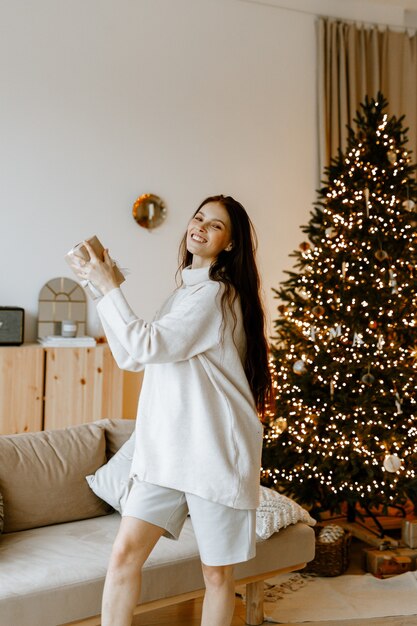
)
(198, 435)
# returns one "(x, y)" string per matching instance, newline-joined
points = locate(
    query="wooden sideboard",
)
(48, 388)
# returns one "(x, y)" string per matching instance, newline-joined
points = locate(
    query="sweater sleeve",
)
(190, 328)
(121, 356)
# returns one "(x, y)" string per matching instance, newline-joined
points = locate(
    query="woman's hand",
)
(99, 273)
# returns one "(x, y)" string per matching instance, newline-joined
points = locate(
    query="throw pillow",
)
(111, 482)
(117, 432)
(276, 511)
(42, 476)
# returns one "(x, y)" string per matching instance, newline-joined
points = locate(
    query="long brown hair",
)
(238, 271)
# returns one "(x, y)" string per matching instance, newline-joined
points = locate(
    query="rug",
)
(305, 598)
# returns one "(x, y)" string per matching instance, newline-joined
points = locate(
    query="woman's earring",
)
(228, 247)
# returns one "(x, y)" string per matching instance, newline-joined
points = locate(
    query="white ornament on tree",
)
(393, 281)
(398, 403)
(409, 205)
(357, 339)
(302, 293)
(330, 232)
(381, 342)
(299, 367)
(335, 331)
(392, 463)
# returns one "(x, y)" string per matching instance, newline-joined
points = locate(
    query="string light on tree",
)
(345, 348)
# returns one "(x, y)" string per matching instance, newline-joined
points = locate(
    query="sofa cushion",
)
(63, 578)
(117, 432)
(111, 482)
(42, 476)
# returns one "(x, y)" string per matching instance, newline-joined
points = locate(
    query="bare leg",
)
(219, 599)
(134, 542)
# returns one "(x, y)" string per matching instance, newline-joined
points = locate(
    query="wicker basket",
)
(331, 559)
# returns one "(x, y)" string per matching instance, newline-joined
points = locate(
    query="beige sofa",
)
(58, 535)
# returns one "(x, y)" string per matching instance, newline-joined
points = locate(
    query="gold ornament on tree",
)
(368, 379)
(381, 255)
(318, 311)
(366, 194)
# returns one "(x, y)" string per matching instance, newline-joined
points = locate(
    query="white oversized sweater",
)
(197, 428)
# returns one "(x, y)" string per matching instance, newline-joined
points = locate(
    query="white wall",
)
(103, 100)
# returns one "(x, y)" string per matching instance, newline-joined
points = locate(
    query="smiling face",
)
(209, 232)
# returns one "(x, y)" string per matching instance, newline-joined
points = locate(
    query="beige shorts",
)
(224, 535)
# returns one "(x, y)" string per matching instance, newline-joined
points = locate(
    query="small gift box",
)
(389, 562)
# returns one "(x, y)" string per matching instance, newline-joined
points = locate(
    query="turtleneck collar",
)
(193, 277)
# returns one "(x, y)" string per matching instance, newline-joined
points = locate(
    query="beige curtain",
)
(355, 61)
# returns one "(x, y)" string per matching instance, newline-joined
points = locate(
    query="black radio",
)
(12, 321)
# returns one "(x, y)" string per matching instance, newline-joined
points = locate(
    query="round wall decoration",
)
(149, 211)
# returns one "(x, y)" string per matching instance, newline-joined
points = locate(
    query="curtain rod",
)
(332, 17)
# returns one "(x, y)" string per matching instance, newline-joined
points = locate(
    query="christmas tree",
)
(344, 360)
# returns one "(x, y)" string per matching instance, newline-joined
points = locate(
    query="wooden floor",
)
(185, 614)
(189, 613)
